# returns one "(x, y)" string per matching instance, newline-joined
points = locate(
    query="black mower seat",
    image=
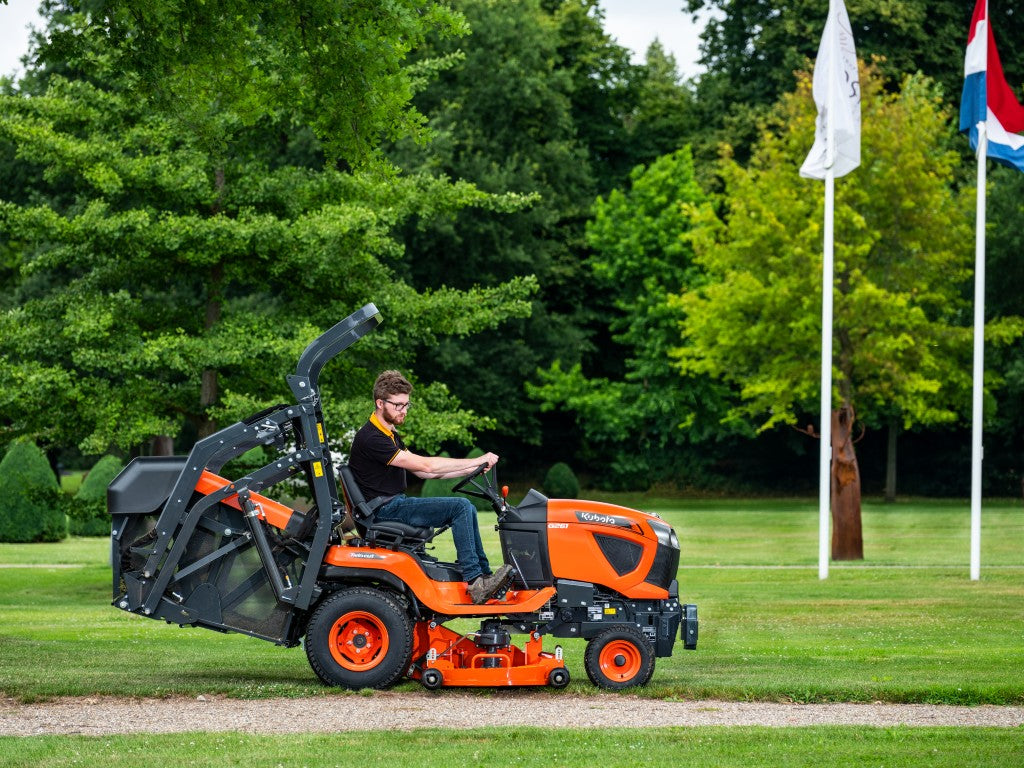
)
(385, 533)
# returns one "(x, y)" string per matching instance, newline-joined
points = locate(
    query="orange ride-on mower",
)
(194, 548)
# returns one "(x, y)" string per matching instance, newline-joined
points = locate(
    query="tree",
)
(902, 254)
(665, 115)
(538, 101)
(1004, 441)
(166, 282)
(504, 116)
(337, 66)
(33, 508)
(637, 422)
(752, 47)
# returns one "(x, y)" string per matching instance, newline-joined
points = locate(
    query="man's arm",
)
(440, 467)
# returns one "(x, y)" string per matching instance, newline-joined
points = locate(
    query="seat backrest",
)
(355, 504)
(389, 533)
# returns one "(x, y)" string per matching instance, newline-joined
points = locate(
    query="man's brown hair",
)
(390, 383)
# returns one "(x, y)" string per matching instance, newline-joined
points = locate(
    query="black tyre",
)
(359, 638)
(558, 678)
(432, 679)
(620, 657)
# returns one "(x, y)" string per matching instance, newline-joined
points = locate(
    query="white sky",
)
(633, 23)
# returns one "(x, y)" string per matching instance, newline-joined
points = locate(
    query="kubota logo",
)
(599, 519)
(367, 556)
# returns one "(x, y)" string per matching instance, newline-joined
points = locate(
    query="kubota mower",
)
(194, 548)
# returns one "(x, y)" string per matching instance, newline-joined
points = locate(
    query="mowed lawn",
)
(904, 625)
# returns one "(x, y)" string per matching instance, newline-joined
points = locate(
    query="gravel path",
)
(406, 711)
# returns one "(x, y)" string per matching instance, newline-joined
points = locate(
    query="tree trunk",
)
(209, 389)
(163, 445)
(890, 462)
(847, 535)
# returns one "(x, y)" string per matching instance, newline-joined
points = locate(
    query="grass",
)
(814, 747)
(906, 625)
(70, 482)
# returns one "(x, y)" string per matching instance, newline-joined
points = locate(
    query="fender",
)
(449, 598)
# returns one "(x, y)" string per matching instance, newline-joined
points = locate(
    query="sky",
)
(634, 24)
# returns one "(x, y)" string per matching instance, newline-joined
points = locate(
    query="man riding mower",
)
(193, 548)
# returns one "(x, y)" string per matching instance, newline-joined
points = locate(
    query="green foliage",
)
(560, 482)
(166, 283)
(538, 100)
(665, 115)
(902, 264)
(752, 47)
(502, 117)
(336, 66)
(32, 507)
(87, 515)
(634, 423)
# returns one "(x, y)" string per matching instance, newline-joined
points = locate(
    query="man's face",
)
(394, 408)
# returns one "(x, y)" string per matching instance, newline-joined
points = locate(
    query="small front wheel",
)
(432, 679)
(620, 657)
(359, 638)
(558, 678)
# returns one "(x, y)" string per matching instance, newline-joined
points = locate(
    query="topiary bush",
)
(32, 507)
(560, 482)
(88, 515)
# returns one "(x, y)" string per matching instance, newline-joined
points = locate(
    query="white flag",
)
(837, 95)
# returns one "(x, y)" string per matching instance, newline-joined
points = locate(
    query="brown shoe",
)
(482, 588)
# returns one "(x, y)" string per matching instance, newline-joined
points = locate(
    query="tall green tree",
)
(335, 65)
(637, 423)
(902, 259)
(665, 116)
(538, 101)
(167, 282)
(504, 116)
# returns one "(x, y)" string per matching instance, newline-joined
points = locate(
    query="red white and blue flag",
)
(987, 98)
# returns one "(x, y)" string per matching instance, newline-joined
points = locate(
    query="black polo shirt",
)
(373, 449)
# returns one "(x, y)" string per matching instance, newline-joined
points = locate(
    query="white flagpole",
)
(825, 456)
(979, 358)
(827, 268)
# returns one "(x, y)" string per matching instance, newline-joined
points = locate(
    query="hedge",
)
(561, 483)
(32, 507)
(88, 515)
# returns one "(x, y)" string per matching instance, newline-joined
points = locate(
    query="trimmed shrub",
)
(561, 483)
(88, 514)
(31, 504)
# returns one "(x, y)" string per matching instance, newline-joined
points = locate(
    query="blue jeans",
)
(440, 511)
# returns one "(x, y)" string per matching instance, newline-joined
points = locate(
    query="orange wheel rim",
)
(620, 661)
(358, 641)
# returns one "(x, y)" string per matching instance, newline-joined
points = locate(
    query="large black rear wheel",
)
(620, 657)
(360, 637)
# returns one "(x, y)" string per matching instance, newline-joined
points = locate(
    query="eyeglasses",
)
(399, 406)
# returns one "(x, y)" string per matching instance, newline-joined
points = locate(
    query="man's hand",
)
(490, 459)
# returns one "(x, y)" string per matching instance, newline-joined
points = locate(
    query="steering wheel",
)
(488, 491)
